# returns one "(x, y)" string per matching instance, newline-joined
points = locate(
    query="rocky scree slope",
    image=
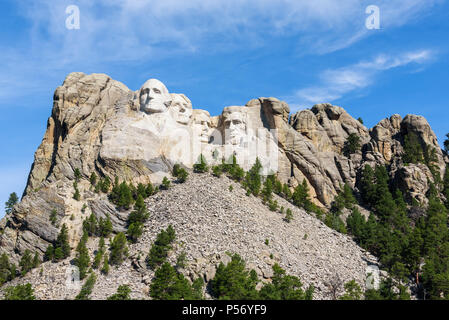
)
(210, 220)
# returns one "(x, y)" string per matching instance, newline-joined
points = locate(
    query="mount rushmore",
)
(98, 125)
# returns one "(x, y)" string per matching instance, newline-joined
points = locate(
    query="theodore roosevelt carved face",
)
(181, 108)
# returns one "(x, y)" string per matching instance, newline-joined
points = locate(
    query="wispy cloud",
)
(335, 83)
(122, 31)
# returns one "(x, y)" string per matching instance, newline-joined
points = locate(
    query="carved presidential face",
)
(202, 124)
(154, 97)
(234, 121)
(181, 108)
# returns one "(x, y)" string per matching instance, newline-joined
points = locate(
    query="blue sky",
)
(223, 53)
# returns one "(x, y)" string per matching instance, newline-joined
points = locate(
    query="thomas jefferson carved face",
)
(181, 108)
(202, 124)
(154, 97)
(234, 121)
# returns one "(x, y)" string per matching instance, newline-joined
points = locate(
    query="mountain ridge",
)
(99, 126)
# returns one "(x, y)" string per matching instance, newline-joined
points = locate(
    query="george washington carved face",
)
(154, 97)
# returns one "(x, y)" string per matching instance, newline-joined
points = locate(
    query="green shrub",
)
(217, 171)
(273, 205)
(352, 291)
(20, 292)
(182, 175)
(201, 165)
(165, 184)
(289, 215)
(123, 292)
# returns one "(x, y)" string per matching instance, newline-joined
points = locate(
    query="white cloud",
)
(335, 83)
(117, 31)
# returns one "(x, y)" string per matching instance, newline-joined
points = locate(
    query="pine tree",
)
(87, 288)
(168, 284)
(234, 282)
(352, 291)
(140, 213)
(105, 269)
(253, 180)
(82, 259)
(352, 144)
(367, 187)
(77, 174)
(284, 287)
(201, 165)
(26, 262)
(119, 249)
(289, 215)
(12, 201)
(160, 248)
(217, 171)
(356, 224)
(267, 189)
(62, 243)
(182, 175)
(36, 260)
(76, 195)
(286, 191)
(105, 185)
(105, 227)
(125, 197)
(413, 150)
(300, 196)
(93, 179)
(141, 190)
(90, 225)
(123, 292)
(134, 231)
(165, 184)
(20, 292)
(149, 190)
(53, 217)
(49, 253)
(4, 269)
(99, 255)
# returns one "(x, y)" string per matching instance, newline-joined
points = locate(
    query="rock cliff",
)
(98, 125)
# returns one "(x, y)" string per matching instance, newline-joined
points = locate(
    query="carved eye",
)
(157, 91)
